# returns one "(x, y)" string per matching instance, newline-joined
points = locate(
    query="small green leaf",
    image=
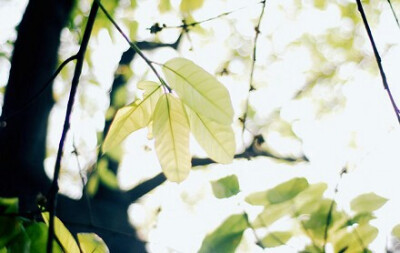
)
(275, 239)
(272, 213)
(8, 205)
(21, 243)
(396, 231)
(191, 5)
(171, 134)
(63, 235)
(134, 116)
(164, 6)
(91, 243)
(106, 176)
(199, 90)
(351, 241)
(225, 187)
(367, 202)
(37, 233)
(216, 139)
(280, 193)
(226, 237)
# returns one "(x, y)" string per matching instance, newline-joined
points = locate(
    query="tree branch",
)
(378, 59)
(52, 195)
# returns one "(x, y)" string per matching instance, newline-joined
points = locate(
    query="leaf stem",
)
(52, 195)
(133, 46)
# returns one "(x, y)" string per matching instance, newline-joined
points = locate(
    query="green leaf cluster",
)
(198, 103)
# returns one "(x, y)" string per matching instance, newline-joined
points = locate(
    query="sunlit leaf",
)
(357, 240)
(171, 134)
(91, 243)
(202, 92)
(226, 237)
(225, 187)
(134, 116)
(275, 239)
(63, 235)
(280, 193)
(368, 202)
(308, 200)
(8, 205)
(360, 218)
(216, 139)
(190, 5)
(37, 233)
(272, 213)
(164, 6)
(396, 231)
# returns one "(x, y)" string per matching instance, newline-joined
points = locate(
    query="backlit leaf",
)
(171, 134)
(225, 187)
(201, 91)
(134, 116)
(106, 176)
(63, 235)
(368, 202)
(190, 5)
(396, 231)
(226, 237)
(351, 241)
(271, 214)
(91, 243)
(216, 139)
(275, 239)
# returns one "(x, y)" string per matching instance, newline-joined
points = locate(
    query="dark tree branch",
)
(394, 13)
(52, 195)
(378, 59)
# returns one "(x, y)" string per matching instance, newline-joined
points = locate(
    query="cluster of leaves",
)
(20, 234)
(198, 102)
(312, 215)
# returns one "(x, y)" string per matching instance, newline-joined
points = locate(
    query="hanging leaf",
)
(191, 5)
(367, 202)
(198, 89)
(226, 237)
(216, 139)
(275, 239)
(92, 243)
(171, 134)
(225, 187)
(134, 116)
(396, 231)
(63, 235)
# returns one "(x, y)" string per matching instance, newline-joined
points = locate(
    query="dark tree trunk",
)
(23, 133)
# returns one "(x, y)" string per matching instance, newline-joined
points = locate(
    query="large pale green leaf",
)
(308, 200)
(134, 116)
(280, 193)
(226, 237)
(190, 5)
(171, 134)
(92, 243)
(367, 202)
(272, 213)
(275, 239)
(201, 91)
(225, 187)
(216, 139)
(63, 235)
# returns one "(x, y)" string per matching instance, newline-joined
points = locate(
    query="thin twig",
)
(133, 46)
(40, 92)
(329, 216)
(52, 195)
(253, 63)
(378, 59)
(394, 13)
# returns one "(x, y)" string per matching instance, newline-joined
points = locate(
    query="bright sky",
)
(357, 127)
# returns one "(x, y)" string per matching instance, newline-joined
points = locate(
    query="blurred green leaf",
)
(275, 239)
(190, 5)
(93, 184)
(396, 231)
(226, 237)
(357, 240)
(37, 232)
(106, 176)
(9, 228)
(20, 243)
(272, 213)
(308, 200)
(367, 202)
(164, 6)
(8, 205)
(63, 235)
(91, 243)
(226, 187)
